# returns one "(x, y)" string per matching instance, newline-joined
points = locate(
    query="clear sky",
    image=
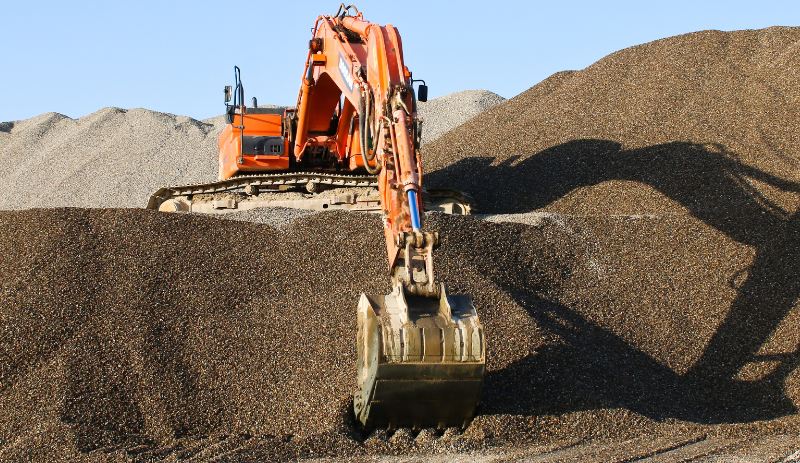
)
(175, 56)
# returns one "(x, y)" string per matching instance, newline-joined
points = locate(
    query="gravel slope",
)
(111, 158)
(680, 124)
(116, 339)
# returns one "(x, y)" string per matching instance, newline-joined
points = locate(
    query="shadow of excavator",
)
(594, 368)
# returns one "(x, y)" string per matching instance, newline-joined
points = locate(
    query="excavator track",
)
(215, 197)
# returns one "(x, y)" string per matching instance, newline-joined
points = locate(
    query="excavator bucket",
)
(421, 361)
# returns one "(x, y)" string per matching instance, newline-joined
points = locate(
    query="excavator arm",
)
(357, 106)
(421, 350)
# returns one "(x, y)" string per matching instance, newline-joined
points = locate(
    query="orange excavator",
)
(421, 350)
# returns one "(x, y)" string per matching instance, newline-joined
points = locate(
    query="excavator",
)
(355, 127)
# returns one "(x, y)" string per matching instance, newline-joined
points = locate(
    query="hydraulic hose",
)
(239, 97)
(366, 129)
(414, 209)
(363, 127)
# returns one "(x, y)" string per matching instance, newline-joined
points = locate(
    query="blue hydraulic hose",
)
(412, 204)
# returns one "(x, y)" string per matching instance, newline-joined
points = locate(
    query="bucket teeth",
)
(420, 361)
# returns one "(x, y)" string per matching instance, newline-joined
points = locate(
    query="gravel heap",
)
(679, 125)
(121, 335)
(448, 112)
(111, 158)
(118, 158)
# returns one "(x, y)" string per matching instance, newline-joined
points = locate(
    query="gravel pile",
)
(684, 124)
(649, 286)
(448, 112)
(121, 335)
(118, 158)
(111, 158)
(120, 328)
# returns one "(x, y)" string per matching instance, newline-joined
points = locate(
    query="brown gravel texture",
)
(642, 282)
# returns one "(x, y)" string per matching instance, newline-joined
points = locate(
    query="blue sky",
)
(78, 57)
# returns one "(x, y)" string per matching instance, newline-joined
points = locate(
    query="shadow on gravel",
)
(595, 368)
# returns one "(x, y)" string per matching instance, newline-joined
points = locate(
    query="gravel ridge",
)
(110, 158)
(118, 158)
(635, 127)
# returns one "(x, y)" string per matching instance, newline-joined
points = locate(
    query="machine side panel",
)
(260, 152)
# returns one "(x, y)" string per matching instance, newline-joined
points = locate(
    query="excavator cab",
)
(253, 140)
